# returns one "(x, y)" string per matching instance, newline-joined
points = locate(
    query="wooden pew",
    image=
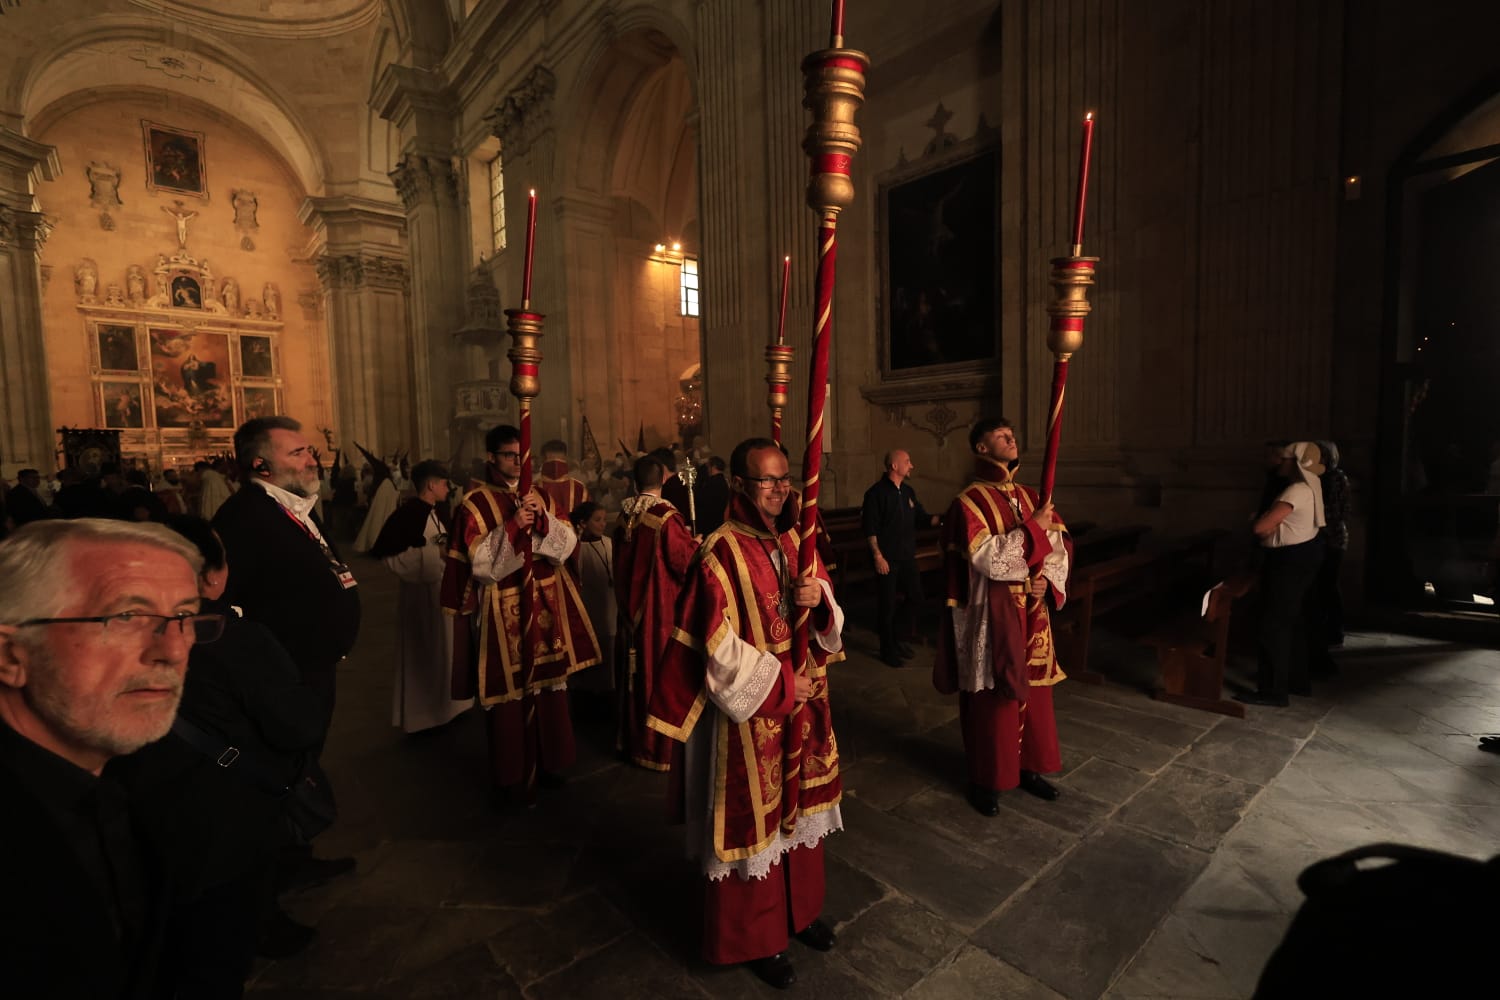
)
(1133, 579)
(1192, 652)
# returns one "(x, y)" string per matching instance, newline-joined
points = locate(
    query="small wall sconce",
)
(1351, 187)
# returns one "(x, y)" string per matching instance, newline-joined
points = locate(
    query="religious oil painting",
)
(255, 357)
(117, 348)
(940, 287)
(259, 401)
(174, 160)
(121, 405)
(186, 294)
(190, 379)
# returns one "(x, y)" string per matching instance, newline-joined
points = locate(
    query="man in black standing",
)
(25, 503)
(889, 518)
(287, 574)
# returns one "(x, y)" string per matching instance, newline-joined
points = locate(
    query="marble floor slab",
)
(1167, 869)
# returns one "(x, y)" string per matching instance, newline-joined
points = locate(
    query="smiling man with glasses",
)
(96, 622)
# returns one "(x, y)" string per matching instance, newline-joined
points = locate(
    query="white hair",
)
(36, 576)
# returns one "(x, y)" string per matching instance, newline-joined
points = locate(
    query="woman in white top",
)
(1289, 532)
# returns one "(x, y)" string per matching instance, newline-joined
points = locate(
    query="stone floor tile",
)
(826, 976)
(516, 875)
(1281, 822)
(469, 974)
(1086, 918)
(1096, 741)
(450, 931)
(1074, 812)
(976, 975)
(1472, 830)
(356, 948)
(539, 947)
(1250, 880)
(1130, 722)
(1025, 844)
(884, 782)
(848, 892)
(1105, 781)
(419, 874)
(1203, 955)
(1189, 806)
(1240, 751)
(895, 942)
(961, 885)
(630, 968)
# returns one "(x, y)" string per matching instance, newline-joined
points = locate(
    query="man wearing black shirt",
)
(96, 620)
(890, 517)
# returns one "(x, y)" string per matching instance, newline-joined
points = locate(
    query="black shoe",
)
(817, 935)
(283, 937)
(905, 651)
(1257, 698)
(1038, 786)
(549, 780)
(316, 871)
(775, 971)
(986, 801)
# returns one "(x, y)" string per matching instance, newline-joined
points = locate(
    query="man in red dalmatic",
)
(1004, 556)
(653, 549)
(559, 485)
(524, 696)
(758, 779)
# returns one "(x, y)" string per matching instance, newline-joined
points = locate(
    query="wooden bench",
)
(1097, 588)
(1192, 652)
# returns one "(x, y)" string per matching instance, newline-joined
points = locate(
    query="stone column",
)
(27, 438)
(363, 272)
(433, 189)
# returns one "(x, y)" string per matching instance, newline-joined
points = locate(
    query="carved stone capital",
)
(360, 270)
(525, 113)
(22, 229)
(420, 179)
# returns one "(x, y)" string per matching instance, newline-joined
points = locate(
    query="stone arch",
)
(132, 55)
(627, 162)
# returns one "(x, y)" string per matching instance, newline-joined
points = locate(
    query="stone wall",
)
(137, 231)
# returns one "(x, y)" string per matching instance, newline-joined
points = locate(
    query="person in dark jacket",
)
(889, 520)
(25, 503)
(711, 495)
(214, 790)
(97, 618)
(288, 576)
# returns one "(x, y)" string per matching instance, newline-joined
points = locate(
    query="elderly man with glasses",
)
(760, 779)
(524, 695)
(96, 622)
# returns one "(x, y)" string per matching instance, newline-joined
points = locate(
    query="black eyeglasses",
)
(140, 624)
(506, 454)
(769, 482)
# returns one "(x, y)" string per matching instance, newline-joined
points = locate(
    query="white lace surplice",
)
(1002, 559)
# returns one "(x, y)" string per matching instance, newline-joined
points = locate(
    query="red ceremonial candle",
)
(786, 273)
(837, 31)
(1083, 182)
(530, 249)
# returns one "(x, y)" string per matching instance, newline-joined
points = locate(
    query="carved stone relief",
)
(352, 271)
(525, 113)
(419, 179)
(271, 296)
(86, 281)
(246, 218)
(104, 191)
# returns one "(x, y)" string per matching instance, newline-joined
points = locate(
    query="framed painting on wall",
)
(256, 357)
(940, 280)
(258, 401)
(121, 404)
(190, 378)
(116, 348)
(175, 160)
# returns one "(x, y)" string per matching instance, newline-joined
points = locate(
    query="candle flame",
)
(787, 259)
(533, 192)
(1088, 117)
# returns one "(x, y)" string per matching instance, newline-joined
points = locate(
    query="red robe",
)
(560, 488)
(1003, 671)
(773, 785)
(562, 637)
(653, 548)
